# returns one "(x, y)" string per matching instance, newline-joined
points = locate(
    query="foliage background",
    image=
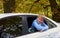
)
(23, 6)
(1, 6)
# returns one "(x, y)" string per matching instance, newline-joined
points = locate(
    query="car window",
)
(50, 23)
(46, 21)
(11, 25)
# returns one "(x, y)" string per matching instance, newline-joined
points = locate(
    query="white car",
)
(16, 25)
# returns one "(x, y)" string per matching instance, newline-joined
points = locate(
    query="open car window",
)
(46, 21)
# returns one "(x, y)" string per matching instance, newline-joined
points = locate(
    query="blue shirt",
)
(42, 26)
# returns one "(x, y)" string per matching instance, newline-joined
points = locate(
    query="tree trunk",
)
(9, 6)
(55, 10)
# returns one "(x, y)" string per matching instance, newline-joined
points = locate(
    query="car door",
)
(12, 26)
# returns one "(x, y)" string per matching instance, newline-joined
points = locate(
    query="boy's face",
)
(40, 19)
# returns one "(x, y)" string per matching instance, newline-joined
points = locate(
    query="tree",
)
(33, 4)
(55, 10)
(9, 6)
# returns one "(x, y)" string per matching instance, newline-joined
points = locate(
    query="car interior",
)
(30, 20)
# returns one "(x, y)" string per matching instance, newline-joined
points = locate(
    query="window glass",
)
(12, 25)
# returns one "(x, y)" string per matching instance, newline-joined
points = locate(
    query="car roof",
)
(19, 14)
(14, 14)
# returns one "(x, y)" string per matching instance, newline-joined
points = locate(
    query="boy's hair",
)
(41, 15)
